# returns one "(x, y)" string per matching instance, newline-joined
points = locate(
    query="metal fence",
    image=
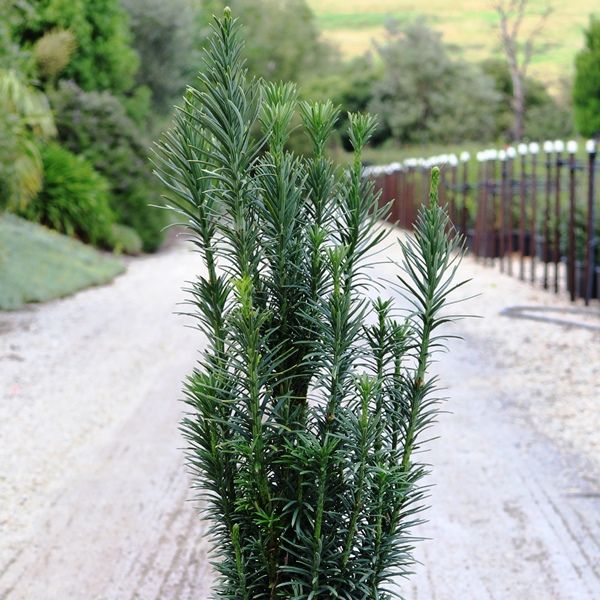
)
(530, 210)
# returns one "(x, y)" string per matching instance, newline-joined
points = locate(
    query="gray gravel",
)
(94, 500)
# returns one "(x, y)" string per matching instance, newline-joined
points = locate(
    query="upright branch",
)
(519, 47)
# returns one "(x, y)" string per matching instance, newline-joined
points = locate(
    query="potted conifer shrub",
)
(310, 398)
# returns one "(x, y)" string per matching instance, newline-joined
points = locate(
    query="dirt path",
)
(94, 498)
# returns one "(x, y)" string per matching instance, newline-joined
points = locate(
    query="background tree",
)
(426, 95)
(545, 115)
(586, 91)
(519, 47)
(349, 86)
(165, 36)
(283, 39)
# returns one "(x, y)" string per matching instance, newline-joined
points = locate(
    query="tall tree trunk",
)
(518, 49)
(518, 106)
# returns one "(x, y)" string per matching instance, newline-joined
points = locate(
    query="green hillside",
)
(37, 264)
(469, 24)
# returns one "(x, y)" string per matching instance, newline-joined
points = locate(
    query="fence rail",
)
(530, 210)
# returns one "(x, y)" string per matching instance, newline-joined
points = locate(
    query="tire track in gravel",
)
(502, 523)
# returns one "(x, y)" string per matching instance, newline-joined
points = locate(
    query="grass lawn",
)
(37, 264)
(471, 25)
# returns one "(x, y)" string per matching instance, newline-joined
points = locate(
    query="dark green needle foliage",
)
(312, 395)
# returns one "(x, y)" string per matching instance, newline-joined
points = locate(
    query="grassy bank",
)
(469, 24)
(37, 264)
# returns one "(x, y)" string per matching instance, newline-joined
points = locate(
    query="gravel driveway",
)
(94, 500)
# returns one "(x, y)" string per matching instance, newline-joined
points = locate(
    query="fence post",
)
(411, 187)
(453, 162)
(390, 192)
(478, 202)
(493, 186)
(385, 186)
(484, 207)
(380, 179)
(522, 149)
(400, 199)
(419, 197)
(511, 153)
(590, 232)
(559, 146)
(443, 188)
(502, 212)
(534, 148)
(548, 149)
(571, 280)
(464, 157)
(400, 194)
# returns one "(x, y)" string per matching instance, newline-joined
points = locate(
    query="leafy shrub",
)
(548, 120)
(425, 95)
(53, 51)
(146, 220)
(74, 199)
(104, 59)
(96, 126)
(12, 55)
(125, 239)
(311, 397)
(25, 121)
